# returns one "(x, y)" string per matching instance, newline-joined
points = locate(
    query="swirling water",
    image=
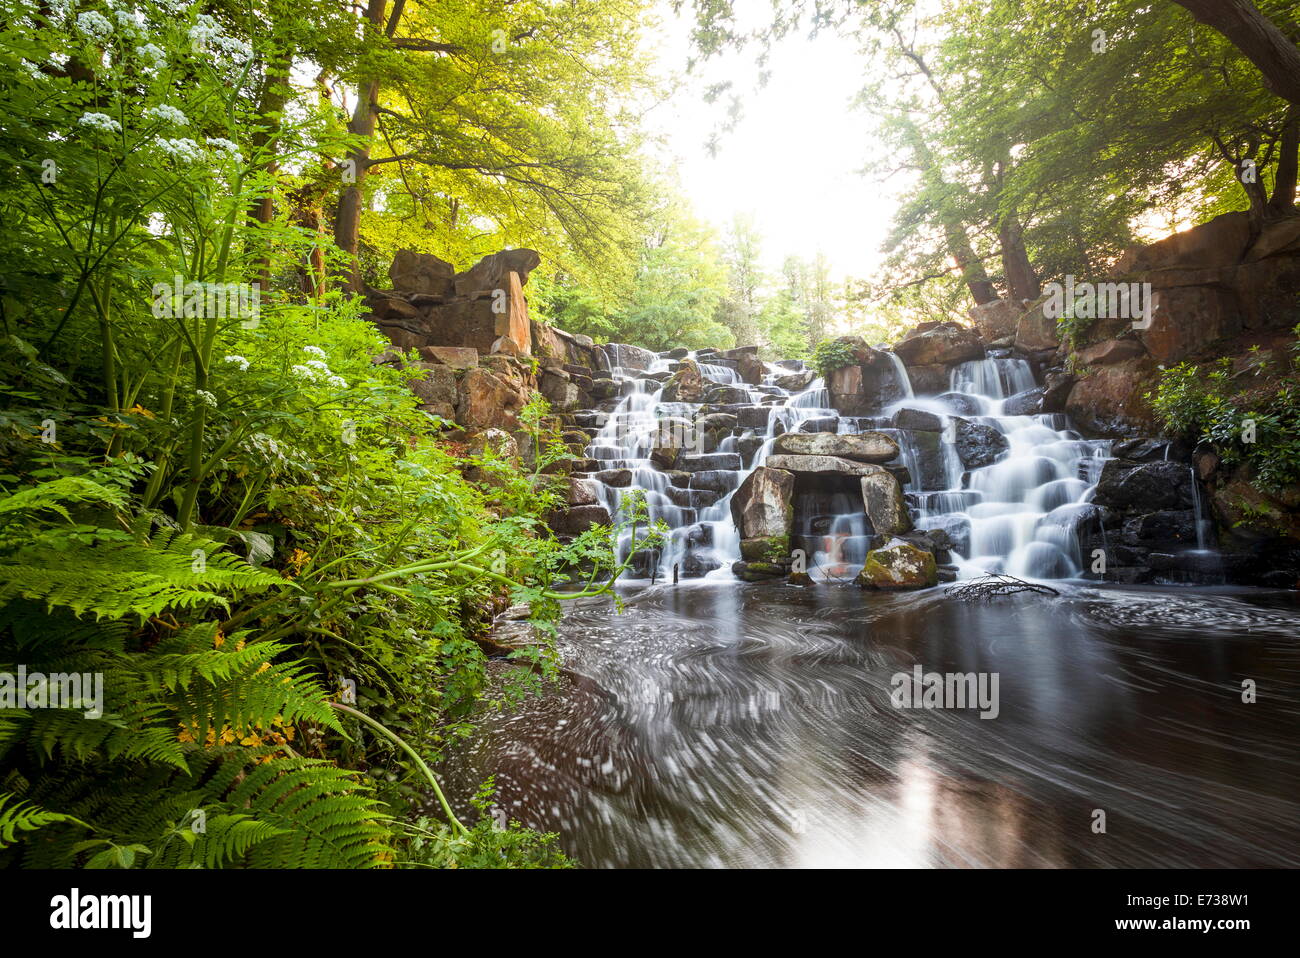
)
(718, 724)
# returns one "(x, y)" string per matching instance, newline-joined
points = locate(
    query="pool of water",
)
(720, 724)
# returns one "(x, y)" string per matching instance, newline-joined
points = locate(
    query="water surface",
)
(723, 724)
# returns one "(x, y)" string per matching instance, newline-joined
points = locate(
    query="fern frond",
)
(24, 817)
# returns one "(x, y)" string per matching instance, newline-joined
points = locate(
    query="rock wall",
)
(481, 354)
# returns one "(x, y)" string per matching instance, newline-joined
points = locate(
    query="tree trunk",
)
(1257, 37)
(1022, 282)
(972, 268)
(1288, 161)
(347, 221)
(274, 95)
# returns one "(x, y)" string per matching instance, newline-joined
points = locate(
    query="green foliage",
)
(830, 355)
(1245, 423)
(486, 845)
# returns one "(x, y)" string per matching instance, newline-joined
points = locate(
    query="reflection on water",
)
(713, 724)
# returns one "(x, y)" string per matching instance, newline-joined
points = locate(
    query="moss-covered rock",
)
(765, 549)
(899, 565)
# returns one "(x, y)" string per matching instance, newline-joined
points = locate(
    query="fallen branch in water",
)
(995, 586)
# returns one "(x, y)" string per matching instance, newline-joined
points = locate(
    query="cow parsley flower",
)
(206, 398)
(338, 382)
(183, 149)
(319, 365)
(100, 121)
(207, 33)
(204, 31)
(302, 372)
(127, 21)
(94, 25)
(168, 114)
(154, 54)
(231, 149)
(315, 351)
(238, 361)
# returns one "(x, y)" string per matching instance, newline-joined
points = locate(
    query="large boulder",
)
(492, 273)
(912, 418)
(1110, 351)
(1220, 242)
(795, 382)
(870, 381)
(750, 368)
(939, 343)
(457, 357)
(436, 384)
(763, 505)
(928, 380)
(882, 498)
(823, 465)
(1109, 402)
(978, 444)
(899, 565)
(578, 519)
(1144, 487)
(1186, 319)
(861, 447)
(996, 319)
(487, 398)
(1027, 403)
(1036, 331)
(412, 272)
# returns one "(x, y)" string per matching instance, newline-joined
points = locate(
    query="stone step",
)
(708, 462)
(693, 498)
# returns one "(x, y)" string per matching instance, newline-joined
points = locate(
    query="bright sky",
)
(792, 160)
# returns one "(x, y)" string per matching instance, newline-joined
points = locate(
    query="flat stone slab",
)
(823, 465)
(860, 446)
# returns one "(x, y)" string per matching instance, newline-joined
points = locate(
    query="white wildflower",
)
(302, 372)
(338, 382)
(315, 351)
(127, 21)
(100, 121)
(154, 53)
(168, 114)
(94, 25)
(183, 149)
(203, 31)
(238, 361)
(206, 398)
(319, 365)
(230, 148)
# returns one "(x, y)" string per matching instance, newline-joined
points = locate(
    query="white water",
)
(1019, 515)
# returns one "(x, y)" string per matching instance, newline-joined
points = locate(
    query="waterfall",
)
(694, 501)
(1020, 514)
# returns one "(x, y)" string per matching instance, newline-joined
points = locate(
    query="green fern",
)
(23, 817)
(195, 725)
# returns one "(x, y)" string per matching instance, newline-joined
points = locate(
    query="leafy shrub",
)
(1245, 422)
(830, 355)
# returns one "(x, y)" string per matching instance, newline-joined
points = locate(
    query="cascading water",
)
(695, 507)
(1020, 514)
